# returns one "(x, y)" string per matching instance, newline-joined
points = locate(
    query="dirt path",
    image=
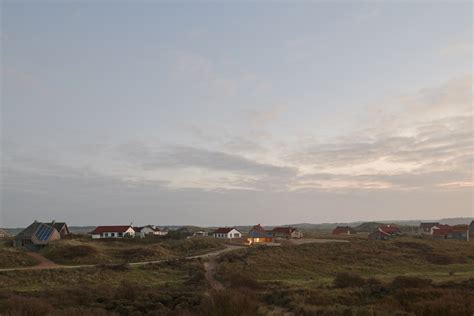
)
(210, 272)
(43, 262)
(48, 264)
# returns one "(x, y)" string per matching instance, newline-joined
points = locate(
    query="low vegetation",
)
(11, 257)
(403, 276)
(82, 250)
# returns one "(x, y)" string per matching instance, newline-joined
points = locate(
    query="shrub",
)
(229, 303)
(238, 280)
(31, 306)
(113, 267)
(345, 280)
(402, 282)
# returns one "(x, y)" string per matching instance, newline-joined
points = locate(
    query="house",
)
(442, 227)
(344, 230)
(200, 233)
(61, 227)
(379, 235)
(4, 233)
(458, 232)
(286, 232)
(148, 230)
(425, 228)
(384, 232)
(227, 233)
(113, 232)
(36, 236)
(258, 235)
(471, 228)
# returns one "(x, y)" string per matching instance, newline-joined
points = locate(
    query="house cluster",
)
(384, 232)
(257, 234)
(126, 231)
(442, 231)
(39, 234)
(344, 230)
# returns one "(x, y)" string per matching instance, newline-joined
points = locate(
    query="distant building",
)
(457, 232)
(344, 230)
(227, 233)
(258, 235)
(4, 233)
(148, 230)
(425, 228)
(384, 232)
(38, 235)
(200, 233)
(113, 232)
(471, 228)
(61, 227)
(286, 232)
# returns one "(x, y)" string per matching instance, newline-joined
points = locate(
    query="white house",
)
(148, 230)
(227, 233)
(113, 232)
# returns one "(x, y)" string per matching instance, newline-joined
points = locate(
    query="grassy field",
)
(11, 257)
(403, 276)
(83, 250)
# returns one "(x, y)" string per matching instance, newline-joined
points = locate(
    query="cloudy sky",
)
(236, 112)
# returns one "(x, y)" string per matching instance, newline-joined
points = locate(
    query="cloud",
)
(184, 156)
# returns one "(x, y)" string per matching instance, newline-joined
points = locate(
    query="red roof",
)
(389, 229)
(224, 230)
(110, 229)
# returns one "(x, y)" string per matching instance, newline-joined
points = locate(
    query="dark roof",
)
(110, 229)
(40, 230)
(283, 230)
(343, 230)
(57, 225)
(224, 230)
(29, 231)
(428, 225)
(258, 232)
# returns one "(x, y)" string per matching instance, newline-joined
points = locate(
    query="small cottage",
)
(36, 236)
(458, 232)
(143, 231)
(258, 235)
(344, 230)
(113, 232)
(425, 228)
(384, 232)
(4, 233)
(227, 233)
(286, 232)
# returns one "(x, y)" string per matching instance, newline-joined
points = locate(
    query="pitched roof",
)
(4, 232)
(224, 230)
(343, 230)
(389, 229)
(283, 230)
(258, 232)
(110, 229)
(57, 225)
(428, 225)
(29, 231)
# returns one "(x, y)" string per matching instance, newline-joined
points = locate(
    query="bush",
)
(31, 306)
(403, 282)
(229, 303)
(345, 280)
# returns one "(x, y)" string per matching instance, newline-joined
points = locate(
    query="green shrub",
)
(403, 282)
(345, 280)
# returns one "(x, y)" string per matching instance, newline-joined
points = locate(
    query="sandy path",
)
(48, 264)
(210, 272)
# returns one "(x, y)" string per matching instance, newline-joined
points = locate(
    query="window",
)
(120, 234)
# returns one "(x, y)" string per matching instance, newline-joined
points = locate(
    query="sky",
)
(235, 112)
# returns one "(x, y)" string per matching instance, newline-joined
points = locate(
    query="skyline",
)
(228, 114)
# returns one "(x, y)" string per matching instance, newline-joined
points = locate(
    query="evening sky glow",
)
(228, 114)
